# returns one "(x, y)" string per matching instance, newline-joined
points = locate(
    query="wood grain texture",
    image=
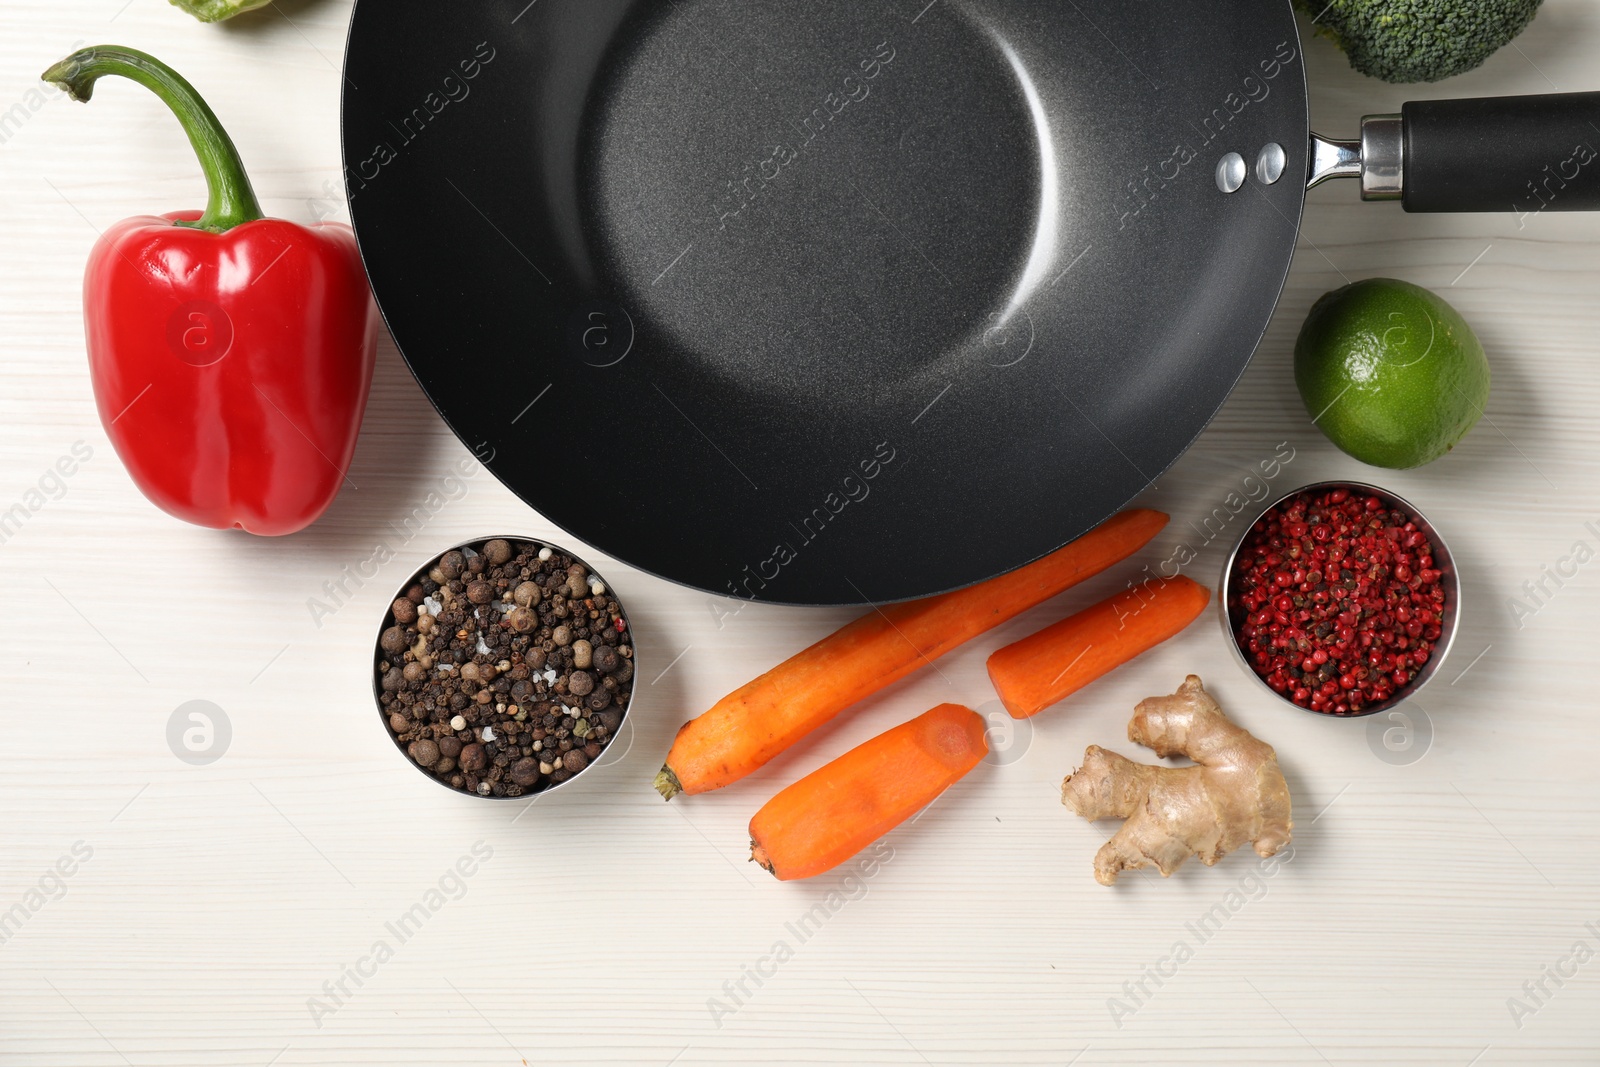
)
(606, 925)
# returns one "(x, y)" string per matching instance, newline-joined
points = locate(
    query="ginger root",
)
(1234, 794)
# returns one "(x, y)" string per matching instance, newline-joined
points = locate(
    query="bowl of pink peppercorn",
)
(1341, 599)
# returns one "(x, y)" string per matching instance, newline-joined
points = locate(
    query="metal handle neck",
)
(1378, 158)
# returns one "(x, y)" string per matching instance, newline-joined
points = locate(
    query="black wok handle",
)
(1506, 153)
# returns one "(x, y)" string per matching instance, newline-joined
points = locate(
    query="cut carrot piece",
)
(836, 811)
(1037, 671)
(756, 722)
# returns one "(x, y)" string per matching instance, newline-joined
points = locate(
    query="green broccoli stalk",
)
(217, 10)
(1419, 40)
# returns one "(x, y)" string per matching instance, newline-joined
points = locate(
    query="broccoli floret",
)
(1419, 40)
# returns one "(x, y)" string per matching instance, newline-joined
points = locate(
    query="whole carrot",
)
(839, 809)
(1037, 671)
(756, 722)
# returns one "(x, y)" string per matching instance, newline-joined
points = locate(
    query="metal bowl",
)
(387, 620)
(1444, 563)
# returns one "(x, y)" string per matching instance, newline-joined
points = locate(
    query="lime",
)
(1390, 372)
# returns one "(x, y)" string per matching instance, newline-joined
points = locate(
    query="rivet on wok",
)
(1270, 163)
(1230, 172)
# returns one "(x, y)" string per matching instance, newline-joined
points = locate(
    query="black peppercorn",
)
(553, 623)
(525, 772)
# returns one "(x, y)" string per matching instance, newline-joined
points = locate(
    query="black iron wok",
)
(840, 301)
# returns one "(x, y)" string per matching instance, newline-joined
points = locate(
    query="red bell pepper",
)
(231, 354)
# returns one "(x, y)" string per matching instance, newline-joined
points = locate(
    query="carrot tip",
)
(667, 783)
(758, 856)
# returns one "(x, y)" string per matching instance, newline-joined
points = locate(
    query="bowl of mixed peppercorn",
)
(504, 668)
(1341, 598)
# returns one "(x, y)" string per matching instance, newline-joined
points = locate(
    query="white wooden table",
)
(227, 913)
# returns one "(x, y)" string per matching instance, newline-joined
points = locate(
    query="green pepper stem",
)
(231, 200)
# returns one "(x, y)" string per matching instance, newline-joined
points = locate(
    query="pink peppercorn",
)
(1351, 627)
